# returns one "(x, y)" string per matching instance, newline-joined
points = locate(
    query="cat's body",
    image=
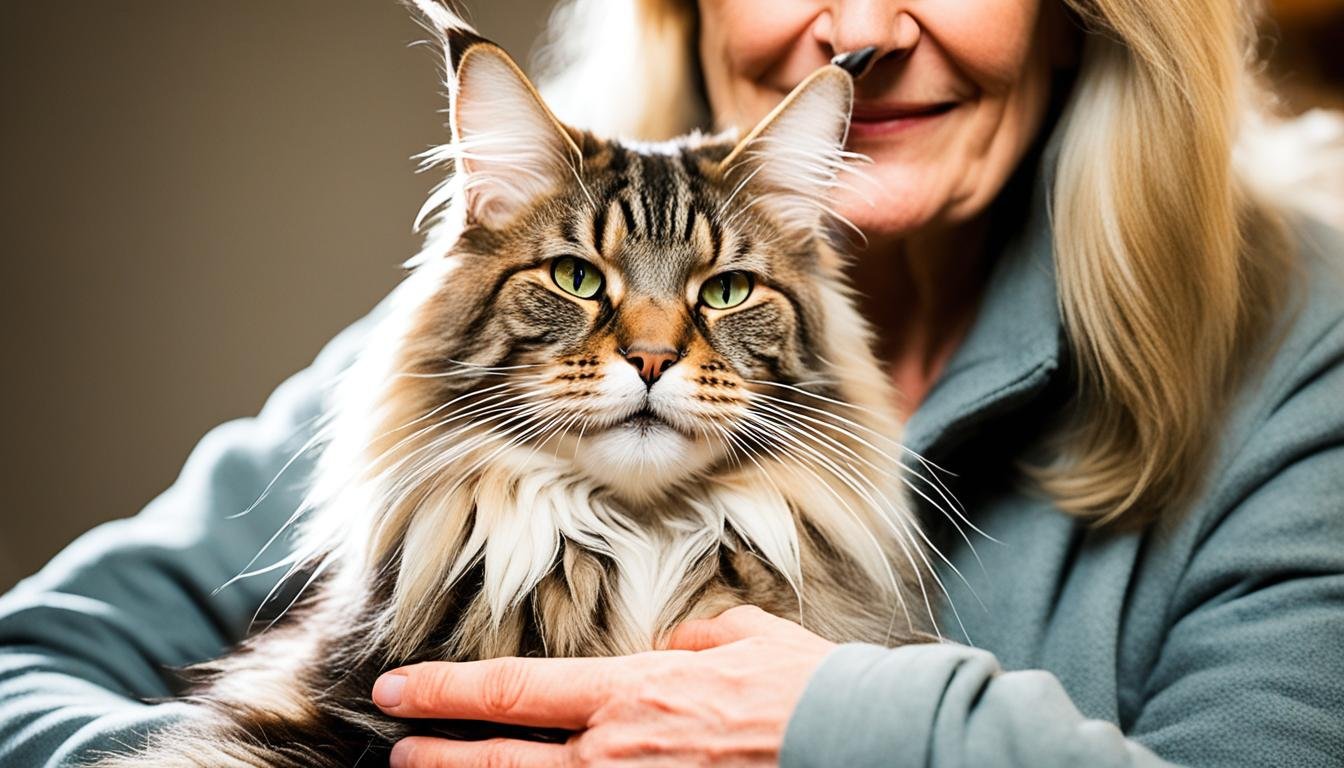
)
(623, 386)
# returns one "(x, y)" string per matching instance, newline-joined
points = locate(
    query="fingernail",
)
(387, 691)
(401, 755)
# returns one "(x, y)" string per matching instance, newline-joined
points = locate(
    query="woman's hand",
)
(720, 695)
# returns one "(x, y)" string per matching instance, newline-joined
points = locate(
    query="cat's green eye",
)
(576, 277)
(726, 290)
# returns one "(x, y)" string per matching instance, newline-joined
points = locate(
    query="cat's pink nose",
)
(650, 361)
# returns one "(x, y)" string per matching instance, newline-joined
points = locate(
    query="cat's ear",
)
(511, 150)
(790, 161)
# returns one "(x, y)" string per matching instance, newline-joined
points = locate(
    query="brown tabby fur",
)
(297, 694)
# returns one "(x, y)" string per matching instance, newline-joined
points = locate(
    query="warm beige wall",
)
(194, 196)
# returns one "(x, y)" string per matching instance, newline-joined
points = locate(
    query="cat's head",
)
(618, 304)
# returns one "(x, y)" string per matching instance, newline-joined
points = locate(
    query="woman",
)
(1127, 349)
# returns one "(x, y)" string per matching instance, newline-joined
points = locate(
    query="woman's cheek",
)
(751, 55)
(991, 46)
(758, 34)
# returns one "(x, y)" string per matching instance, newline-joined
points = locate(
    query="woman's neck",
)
(921, 294)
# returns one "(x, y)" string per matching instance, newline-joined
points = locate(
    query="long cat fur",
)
(477, 495)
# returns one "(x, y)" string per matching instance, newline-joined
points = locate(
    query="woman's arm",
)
(104, 623)
(944, 705)
(1251, 671)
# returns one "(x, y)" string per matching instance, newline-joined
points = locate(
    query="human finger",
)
(547, 693)
(737, 623)
(430, 752)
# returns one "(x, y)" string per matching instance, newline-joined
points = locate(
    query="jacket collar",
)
(1015, 344)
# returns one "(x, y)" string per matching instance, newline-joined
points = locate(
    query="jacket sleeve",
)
(944, 705)
(102, 626)
(1251, 671)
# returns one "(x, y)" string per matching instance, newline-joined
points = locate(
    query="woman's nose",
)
(850, 25)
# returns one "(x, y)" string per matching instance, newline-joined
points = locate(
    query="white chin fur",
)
(641, 462)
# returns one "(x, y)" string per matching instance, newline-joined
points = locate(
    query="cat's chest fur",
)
(549, 562)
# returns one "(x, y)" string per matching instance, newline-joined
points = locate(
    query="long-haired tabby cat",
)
(622, 386)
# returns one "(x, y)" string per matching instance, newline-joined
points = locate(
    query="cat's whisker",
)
(294, 517)
(893, 517)
(783, 431)
(751, 431)
(829, 401)
(308, 445)
(746, 452)
(778, 405)
(481, 417)
(521, 437)
(795, 580)
(885, 509)
(510, 413)
(313, 577)
(436, 464)
(842, 404)
(901, 476)
(512, 391)
(492, 400)
(433, 462)
(740, 185)
(812, 383)
(851, 423)
(510, 437)
(805, 423)
(511, 404)
(576, 169)
(583, 426)
(565, 422)
(291, 561)
(483, 367)
(440, 408)
(717, 432)
(824, 398)
(462, 370)
(882, 508)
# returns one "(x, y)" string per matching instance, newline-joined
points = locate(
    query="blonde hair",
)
(1167, 206)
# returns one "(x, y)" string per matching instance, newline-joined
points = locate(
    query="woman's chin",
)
(908, 205)
(885, 219)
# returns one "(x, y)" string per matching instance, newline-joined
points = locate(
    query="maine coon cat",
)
(623, 385)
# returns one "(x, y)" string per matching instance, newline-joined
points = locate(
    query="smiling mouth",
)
(877, 120)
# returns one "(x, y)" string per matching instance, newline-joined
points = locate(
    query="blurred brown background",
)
(195, 196)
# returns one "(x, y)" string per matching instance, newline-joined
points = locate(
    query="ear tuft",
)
(510, 148)
(507, 149)
(792, 158)
(454, 34)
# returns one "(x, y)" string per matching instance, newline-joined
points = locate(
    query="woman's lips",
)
(880, 120)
